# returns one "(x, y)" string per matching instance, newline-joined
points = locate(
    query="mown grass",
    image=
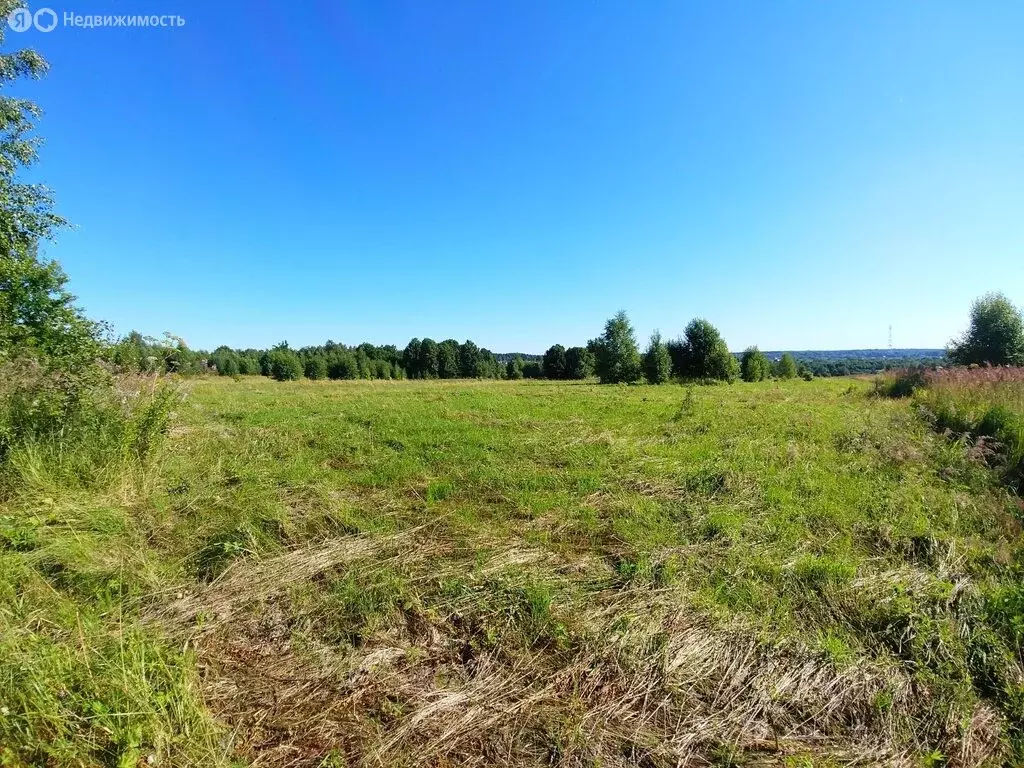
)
(520, 573)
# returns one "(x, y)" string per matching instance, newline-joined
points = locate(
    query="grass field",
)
(518, 573)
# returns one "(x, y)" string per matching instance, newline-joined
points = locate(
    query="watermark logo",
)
(22, 20)
(46, 20)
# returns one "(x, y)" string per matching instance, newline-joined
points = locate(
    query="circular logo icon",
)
(20, 19)
(45, 19)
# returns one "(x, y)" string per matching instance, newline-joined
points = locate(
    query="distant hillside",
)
(828, 362)
(504, 357)
(860, 354)
(846, 362)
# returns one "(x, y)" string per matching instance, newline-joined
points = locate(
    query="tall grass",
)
(82, 429)
(985, 403)
(81, 682)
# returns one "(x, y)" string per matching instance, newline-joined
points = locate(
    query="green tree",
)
(579, 363)
(448, 359)
(755, 365)
(618, 358)
(995, 335)
(428, 359)
(38, 316)
(411, 359)
(364, 366)
(315, 367)
(657, 363)
(469, 360)
(786, 367)
(341, 364)
(488, 366)
(705, 355)
(554, 362)
(285, 365)
(514, 368)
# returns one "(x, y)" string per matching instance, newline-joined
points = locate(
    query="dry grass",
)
(527, 574)
(644, 680)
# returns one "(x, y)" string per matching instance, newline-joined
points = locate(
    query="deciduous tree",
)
(618, 358)
(995, 335)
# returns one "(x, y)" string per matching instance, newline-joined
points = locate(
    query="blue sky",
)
(803, 174)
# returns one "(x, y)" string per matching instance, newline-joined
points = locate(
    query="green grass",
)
(518, 573)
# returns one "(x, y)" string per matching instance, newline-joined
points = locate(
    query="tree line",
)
(613, 357)
(699, 354)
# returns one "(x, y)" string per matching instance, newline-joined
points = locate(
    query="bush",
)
(80, 427)
(285, 365)
(755, 365)
(902, 383)
(342, 365)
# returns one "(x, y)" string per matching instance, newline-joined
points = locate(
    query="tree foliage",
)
(554, 362)
(657, 363)
(315, 367)
(38, 316)
(786, 367)
(616, 352)
(285, 365)
(428, 359)
(579, 363)
(514, 368)
(995, 335)
(703, 354)
(448, 359)
(755, 365)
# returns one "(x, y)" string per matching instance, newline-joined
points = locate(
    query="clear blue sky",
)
(803, 174)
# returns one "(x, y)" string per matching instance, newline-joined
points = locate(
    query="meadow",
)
(516, 573)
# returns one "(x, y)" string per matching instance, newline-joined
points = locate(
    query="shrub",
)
(78, 426)
(983, 402)
(341, 364)
(901, 383)
(285, 365)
